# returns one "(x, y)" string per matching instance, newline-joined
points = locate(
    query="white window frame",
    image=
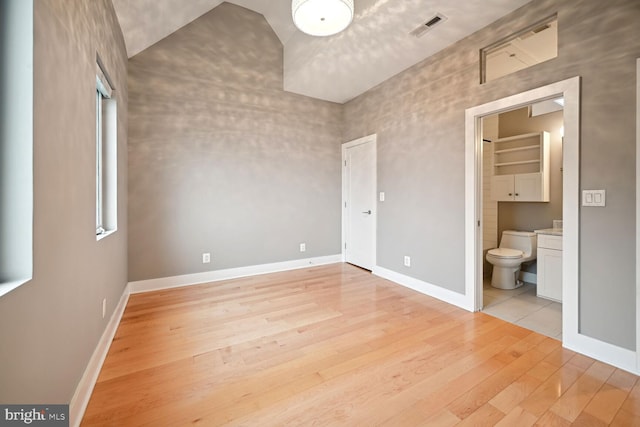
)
(100, 95)
(106, 156)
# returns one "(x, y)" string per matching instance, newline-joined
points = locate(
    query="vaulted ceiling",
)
(376, 46)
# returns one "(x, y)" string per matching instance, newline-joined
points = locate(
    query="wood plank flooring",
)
(334, 345)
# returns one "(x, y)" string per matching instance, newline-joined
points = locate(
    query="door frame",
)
(571, 336)
(638, 215)
(570, 90)
(369, 139)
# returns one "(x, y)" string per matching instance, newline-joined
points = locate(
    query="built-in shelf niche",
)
(521, 168)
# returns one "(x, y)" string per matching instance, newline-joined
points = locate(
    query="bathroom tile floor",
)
(522, 307)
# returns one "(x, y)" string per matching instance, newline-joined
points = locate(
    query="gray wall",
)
(221, 159)
(534, 216)
(419, 118)
(49, 327)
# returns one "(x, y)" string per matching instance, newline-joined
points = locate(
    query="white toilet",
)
(515, 248)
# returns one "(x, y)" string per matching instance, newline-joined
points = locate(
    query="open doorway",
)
(569, 90)
(522, 203)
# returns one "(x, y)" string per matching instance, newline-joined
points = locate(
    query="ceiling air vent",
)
(429, 24)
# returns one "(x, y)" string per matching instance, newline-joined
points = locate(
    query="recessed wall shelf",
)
(521, 168)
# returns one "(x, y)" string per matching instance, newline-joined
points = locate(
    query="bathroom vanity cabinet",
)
(521, 168)
(549, 267)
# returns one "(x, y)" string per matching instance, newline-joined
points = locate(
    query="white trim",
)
(425, 288)
(229, 273)
(473, 179)
(7, 287)
(613, 355)
(373, 138)
(572, 338)
(81, 397)
(473, 206)
(638, 215)
(570, 89)
(104, 234)
(83, 391)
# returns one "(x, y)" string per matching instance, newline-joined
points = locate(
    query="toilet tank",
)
(524, 241)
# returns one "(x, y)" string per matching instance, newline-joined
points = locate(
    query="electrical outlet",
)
(407, 261)
(303, 247)
(104, 307)
(206, 258)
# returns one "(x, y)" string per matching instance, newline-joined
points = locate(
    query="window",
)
(106, 155)
(524, 49)
(16, 143)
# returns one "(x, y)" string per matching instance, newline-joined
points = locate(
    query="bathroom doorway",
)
(569, 90)
(523, 147)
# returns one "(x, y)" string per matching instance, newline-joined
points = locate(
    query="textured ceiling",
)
(375, 47)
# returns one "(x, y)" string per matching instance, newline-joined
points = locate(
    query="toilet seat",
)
(506, 253)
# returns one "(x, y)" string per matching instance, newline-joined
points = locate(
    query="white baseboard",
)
(459, 300)
(81, 397)
(229, 273)
(602, 351)
(596, 349)
(607, 353)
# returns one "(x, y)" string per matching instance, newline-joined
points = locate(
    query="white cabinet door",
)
(502, 188)
(522, 187)
(549, 274)
(528, 187)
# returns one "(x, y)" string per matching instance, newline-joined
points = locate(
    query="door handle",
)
(367, 212)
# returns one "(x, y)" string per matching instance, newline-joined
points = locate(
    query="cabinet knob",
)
(517, 194)
(511, 194)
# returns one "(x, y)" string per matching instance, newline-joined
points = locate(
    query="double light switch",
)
(593, 197)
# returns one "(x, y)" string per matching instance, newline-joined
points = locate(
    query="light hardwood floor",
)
(334, 345)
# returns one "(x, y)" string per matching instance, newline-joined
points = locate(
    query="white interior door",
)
(360, 202)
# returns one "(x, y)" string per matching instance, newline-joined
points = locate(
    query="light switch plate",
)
(593, 197)
(382, 196)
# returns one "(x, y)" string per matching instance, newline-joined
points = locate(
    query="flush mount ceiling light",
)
(322, 17)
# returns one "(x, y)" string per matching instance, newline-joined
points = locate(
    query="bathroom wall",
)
(535, 215)
(50, 326)
(419, 114)
(221, 159)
